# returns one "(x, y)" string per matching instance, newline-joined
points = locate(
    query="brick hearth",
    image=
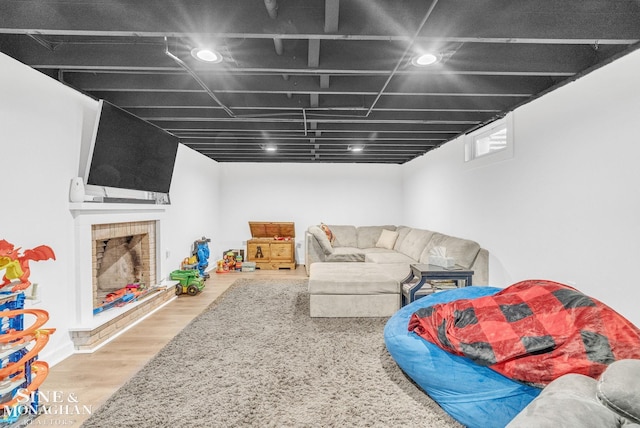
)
(88, 339)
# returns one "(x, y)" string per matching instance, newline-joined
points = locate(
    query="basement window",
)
(491, 143)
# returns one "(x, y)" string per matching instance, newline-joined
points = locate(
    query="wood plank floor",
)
(92, 378)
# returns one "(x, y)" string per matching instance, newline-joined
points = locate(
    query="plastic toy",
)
(20, 374)
(122, 296)
(230, 260)
(10, 334)
(191, 282)
(220, 267)
(201, 251)
(17, 266)
(41, 338)
(189, 263)
(38, 368)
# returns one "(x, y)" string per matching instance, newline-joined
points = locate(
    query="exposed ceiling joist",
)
(317, 76)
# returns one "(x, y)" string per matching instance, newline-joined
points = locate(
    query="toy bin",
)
(248, 267)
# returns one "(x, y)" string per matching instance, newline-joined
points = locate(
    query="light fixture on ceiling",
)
(206, 55)
(356, 148)
(269, 147)
(425, 59)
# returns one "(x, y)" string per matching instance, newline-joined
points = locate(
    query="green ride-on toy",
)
(191, 282)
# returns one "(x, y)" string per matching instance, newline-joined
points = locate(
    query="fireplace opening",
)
(119, 263)
(123, 255)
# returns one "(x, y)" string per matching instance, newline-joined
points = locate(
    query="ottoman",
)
(352, 290)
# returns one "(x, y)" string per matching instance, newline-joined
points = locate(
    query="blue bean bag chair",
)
(474, 395)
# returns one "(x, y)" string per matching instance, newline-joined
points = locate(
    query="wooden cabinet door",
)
(258, 251)
(282, 251)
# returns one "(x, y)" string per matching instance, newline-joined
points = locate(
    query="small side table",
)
(425, 272)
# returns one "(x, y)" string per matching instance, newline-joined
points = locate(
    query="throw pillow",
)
(322, 239)
(387, 239)
(329, 233)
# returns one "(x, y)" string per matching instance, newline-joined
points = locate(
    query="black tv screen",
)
(130, 153)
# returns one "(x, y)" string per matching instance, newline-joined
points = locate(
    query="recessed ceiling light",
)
(425, 59)
(271, 148)
(206, 55)
(356, 148)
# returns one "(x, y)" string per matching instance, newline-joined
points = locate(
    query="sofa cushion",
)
(345, 236)
(415, 242)
(367, 236)
(346, 254)
(322, 239)
(376, 250)
(397, 271)
(388, 257)
(387, 239)
(402, 233)
(619, 388)
(463, 251)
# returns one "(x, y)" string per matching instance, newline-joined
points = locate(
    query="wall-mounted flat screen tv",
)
(130, 153)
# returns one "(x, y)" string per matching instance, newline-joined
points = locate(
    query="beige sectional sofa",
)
(359, 272)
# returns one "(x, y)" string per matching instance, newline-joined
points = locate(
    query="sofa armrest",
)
(480, 267)
(312, 251)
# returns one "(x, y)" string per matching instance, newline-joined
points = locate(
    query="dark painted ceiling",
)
(315, 77)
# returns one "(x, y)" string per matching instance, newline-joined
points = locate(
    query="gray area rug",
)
(255, 358)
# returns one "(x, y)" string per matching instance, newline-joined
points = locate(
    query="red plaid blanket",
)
(533, 331)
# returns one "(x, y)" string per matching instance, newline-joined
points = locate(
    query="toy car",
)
(190, 281)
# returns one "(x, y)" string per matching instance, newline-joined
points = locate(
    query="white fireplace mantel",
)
(98, 207)
(85, 216)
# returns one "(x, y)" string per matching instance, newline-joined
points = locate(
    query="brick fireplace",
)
(116, 244)
(122, 253)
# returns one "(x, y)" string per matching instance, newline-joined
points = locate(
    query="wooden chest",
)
(272, 245)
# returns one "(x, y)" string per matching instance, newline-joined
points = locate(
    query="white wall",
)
(42, 126)
(306, 194)
(40, 129)
(566, 207)
(195, 205)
